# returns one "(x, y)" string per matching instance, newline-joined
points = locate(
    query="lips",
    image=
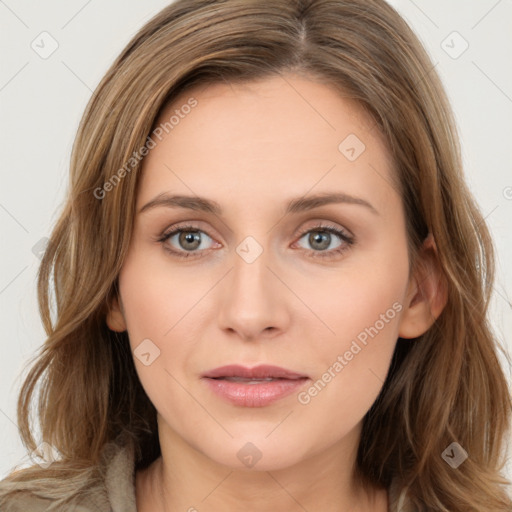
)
(253, 387)
(261, 372)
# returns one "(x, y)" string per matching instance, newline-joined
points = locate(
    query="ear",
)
(427, 293)
(115, 317)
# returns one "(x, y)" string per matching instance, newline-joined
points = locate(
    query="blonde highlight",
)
(445, 386)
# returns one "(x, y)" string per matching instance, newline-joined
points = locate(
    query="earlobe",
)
(427, 294)
(115, 318)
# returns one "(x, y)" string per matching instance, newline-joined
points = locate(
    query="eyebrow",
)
(293, 206)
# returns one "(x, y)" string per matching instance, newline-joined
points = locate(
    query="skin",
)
(251, 148)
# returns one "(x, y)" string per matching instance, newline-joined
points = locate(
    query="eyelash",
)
(322, 228)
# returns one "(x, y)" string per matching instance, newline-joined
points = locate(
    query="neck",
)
(183, 479)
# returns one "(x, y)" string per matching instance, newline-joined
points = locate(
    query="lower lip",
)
(254, 395)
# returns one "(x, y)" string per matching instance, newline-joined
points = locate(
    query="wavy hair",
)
(445, 386)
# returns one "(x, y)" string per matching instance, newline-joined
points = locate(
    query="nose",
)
(254, 300)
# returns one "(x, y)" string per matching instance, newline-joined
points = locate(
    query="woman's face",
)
(264, 283)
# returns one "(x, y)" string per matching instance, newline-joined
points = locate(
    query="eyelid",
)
(191, 225)
(346, 237)
(323, 224)
(182, 226)
(310, 225)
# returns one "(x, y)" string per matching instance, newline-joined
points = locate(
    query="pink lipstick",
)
(253, 387)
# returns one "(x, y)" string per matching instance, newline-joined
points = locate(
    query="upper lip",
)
(257, 372)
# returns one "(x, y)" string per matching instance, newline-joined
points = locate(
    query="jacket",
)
(116, 492)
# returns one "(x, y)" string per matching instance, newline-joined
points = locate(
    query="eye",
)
(320, 238)
(189, 240)
(185, 241)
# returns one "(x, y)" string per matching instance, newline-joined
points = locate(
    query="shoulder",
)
(25, 501)
(22, 501)
(106, 486)
(37, 496)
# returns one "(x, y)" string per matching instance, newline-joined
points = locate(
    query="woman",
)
(270, 277)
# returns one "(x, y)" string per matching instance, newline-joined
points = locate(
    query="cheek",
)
(362, 310)
(351, 367)
(362, 303)
(164, 312)
(365, 292)
(156, 295)
(158, 304)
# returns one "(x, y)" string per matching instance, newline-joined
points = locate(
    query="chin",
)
(256, 453)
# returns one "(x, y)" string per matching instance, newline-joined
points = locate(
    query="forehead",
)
(262, 107)
(264, 137)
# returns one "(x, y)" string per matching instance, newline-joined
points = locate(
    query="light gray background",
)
(42, 100)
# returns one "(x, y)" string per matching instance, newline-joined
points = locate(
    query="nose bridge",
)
(252, 300)
(250, 273)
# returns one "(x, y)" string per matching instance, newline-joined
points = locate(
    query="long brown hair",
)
(445, 386)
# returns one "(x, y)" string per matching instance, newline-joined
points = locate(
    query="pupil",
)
(314, 238)
(190, 238)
